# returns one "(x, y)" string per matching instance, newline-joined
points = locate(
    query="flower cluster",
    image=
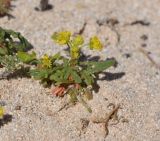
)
(75, 43)
(75, 46)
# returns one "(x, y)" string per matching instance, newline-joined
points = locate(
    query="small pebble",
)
(18, 107)
(127, 55)
(144, 45)
(144, 37)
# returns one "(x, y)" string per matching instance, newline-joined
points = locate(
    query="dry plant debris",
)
(84, 125)
(149, 58)
(4, 7)
(108, 116)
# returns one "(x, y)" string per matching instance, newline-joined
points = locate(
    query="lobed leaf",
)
(88, 78)
(40, 74)
(13, 41)
(96, 67)
(76, 77)
(3, 51)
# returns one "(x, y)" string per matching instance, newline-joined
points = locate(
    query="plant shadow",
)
(111, 76)
(48, 7)
(84, 58)
(28, 45)
(6, 119)
(20, 73)
(106, 75)
(8, 14)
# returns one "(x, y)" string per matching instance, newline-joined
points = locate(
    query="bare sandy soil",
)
(131, 28)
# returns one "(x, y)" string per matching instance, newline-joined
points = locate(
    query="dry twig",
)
(106, 119)
(149, 58)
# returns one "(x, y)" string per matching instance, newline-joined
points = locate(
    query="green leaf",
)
(25, 57)
(13, 41)
(3, 51)
(40, 74)
(67, 73)
(60, 76)
(23, 43)
(65, 62)
(87, 76)
(76, 77)
(96, 67)
(57, 76)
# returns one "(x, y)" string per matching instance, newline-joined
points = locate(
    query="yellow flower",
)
(46, 61)
(75, 52)
(62, 38)
(95, 43)
(75, 49)
(1, 112)
(78, 40)
(75, 55)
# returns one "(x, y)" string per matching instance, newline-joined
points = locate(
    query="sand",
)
(130, 28)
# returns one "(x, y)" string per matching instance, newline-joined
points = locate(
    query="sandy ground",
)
(129, 26)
